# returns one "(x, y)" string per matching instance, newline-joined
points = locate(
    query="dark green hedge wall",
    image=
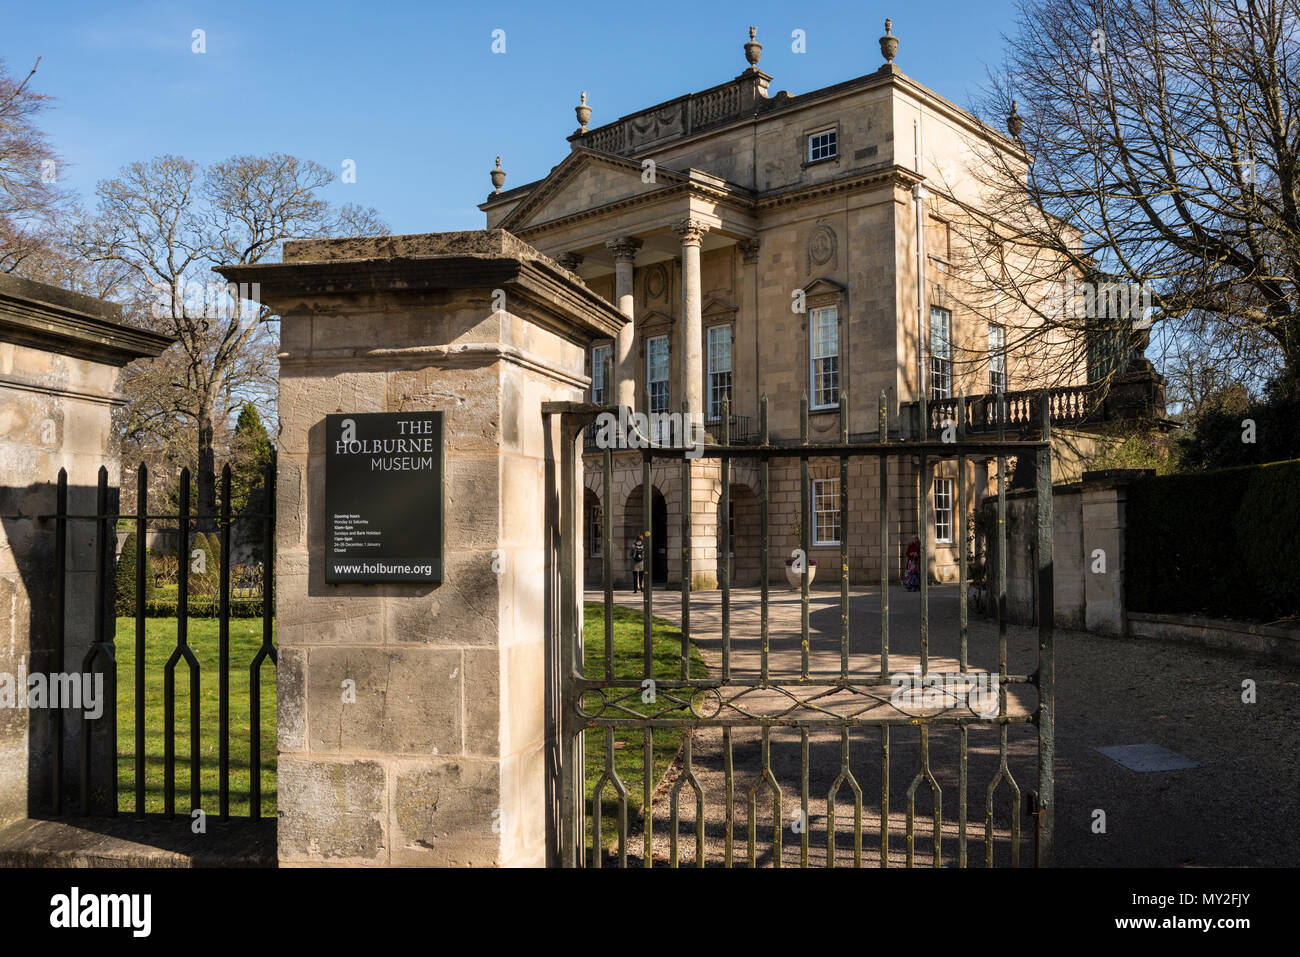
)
(1224, 544)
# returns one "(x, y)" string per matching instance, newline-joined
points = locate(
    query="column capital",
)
(570, 260)
(624, 248)
(749, 249)
(691, 230)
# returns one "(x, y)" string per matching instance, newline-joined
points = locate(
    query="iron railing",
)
(808, 701)
(102, 651)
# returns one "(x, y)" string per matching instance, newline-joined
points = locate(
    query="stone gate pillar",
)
(439, 760)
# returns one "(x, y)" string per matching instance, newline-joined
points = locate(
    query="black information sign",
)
(383, 497)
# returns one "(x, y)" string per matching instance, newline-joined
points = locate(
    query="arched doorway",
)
(633, 525)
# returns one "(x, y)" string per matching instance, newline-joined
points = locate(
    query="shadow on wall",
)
(28, 590)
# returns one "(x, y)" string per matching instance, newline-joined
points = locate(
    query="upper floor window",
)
(997, 359)
(821, 145)
(824, 343)
(719, 368)
(599, 392)
(656, 372)
(940, 353)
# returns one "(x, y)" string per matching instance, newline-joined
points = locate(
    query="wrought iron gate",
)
(593, 699)
(108, 766)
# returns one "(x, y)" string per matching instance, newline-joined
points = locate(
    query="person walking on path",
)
(638, 564)
(912, 573)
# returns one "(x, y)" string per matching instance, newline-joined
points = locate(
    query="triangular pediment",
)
(718, 307)
(585, 180)
(822, 287)
(654, 319)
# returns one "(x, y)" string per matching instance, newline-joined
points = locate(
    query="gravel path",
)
(1236, 809)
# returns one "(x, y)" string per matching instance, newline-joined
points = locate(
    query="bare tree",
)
(168, 221)
(1161, 141)
(30, 197)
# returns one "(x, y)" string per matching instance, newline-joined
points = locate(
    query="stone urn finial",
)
(1014, 123)
(889, 43)
(583, 112)
(753, 50)
(498, 175)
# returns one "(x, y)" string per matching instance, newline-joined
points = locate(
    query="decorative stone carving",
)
(823, 248)
(889, 43)
(753, 50)
(498, 176)
(570, 261)
(584, 113)
(691, 230)
(749, 250)
(623, 248)
(657, 124)
(1014, 123)
(656, 282)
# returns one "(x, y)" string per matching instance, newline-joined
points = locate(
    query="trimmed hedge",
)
(1225, 544)
(201, 607)
(125, 597)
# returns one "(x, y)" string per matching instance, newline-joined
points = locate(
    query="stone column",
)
(692, 232)
(624, 249)
(439, 757)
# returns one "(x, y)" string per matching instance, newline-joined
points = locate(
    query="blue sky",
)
(413, 93)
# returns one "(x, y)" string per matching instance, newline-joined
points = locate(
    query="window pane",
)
(598, 356)
(821, 145)
(943, 510)
(940, 353)
(657, 372)
(824, 324)
(826, 511)
(997, 359)
(719, 368)
(597, 534)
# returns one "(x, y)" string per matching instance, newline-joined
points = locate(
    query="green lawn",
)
(629, 753)
(160, 642)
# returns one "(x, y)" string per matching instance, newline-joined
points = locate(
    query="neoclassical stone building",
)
(770, 244)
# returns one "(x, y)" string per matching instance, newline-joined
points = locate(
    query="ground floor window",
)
(943, 510)
(826, 511)
(597, 531)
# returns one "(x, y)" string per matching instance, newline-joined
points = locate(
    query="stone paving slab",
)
(128, 842)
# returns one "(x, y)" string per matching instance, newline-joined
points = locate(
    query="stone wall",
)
(1087, 552)
(60, 354)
